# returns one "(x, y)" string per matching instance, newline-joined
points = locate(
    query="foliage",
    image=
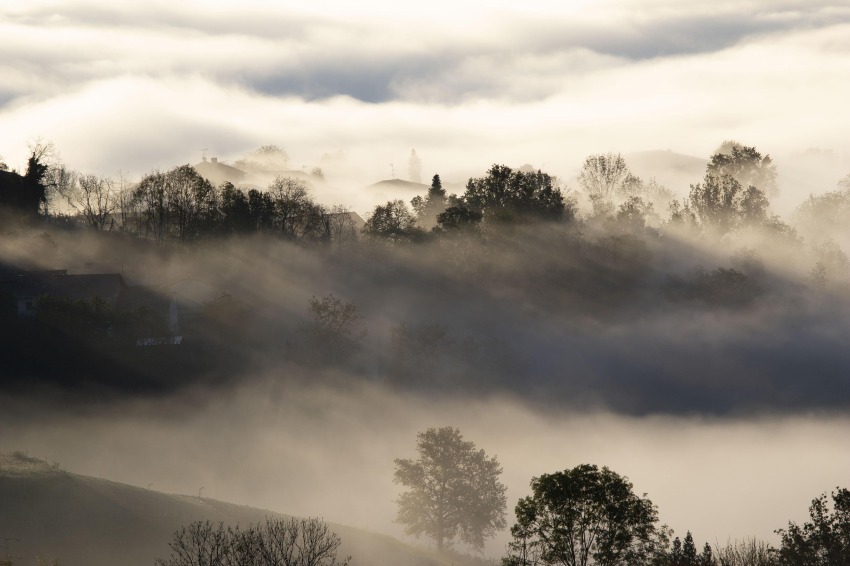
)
(825, 541)
(453, 490)
(746, 165)
(25, 196)
(178, 205)
(505, 195)
(634, 214)
(685, 553)
(434, 203)
(584, 516)
(277, 542)
(392, 222)
(459, 219)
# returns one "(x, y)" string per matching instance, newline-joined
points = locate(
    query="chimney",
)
(214, 159)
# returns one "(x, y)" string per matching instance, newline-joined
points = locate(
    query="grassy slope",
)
(85, 521)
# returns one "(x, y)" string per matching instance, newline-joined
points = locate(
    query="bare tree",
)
(277, 542)
(204, 544)
(93, 197)
(295, 542)
(292, 206)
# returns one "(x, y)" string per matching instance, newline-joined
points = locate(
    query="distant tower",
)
(414, 168)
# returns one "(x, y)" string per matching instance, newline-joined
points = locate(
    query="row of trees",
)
(733, 196)
(180, 205)
(583, 516)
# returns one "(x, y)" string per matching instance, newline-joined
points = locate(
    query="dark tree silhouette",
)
(505, 195)
(428, 208)
(584, 516)
(825, 541)
(392, 222)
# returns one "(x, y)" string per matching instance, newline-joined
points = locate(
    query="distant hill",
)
(399, 184)
(86, 521)
(217, 173)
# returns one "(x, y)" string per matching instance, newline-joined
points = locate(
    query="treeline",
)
(181, 206)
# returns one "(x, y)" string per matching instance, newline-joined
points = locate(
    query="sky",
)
(132, 87)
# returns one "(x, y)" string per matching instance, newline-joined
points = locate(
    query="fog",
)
(729, 416)
(328, 451)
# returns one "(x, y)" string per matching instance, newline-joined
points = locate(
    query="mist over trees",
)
(487, 290)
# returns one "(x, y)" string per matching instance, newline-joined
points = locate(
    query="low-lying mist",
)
(328, 450)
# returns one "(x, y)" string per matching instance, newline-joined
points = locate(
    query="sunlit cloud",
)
(135, 87)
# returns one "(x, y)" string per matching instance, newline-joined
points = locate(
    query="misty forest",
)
(204, 328)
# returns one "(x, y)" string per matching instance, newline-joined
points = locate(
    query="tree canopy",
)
(453, 490)
(825, 541)
(505, 195)
(584, 516)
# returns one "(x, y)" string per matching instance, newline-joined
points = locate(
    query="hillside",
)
(86, 521)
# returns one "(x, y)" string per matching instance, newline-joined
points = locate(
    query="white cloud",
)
(132, 88)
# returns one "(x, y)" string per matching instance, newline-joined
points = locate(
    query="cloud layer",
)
(119, 86)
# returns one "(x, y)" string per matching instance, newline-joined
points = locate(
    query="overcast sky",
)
(143, 85)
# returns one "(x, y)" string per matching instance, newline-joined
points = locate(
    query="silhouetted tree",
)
(392, 222)
(685, 553)
(235, 211)
(178, 205)
(585, 516)
(458, 218)
(204, 544)
(293, 207)
(453, 490)
(25, 196)
(428, 208)
(93, 197)
(825, 541)
(505, 195)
